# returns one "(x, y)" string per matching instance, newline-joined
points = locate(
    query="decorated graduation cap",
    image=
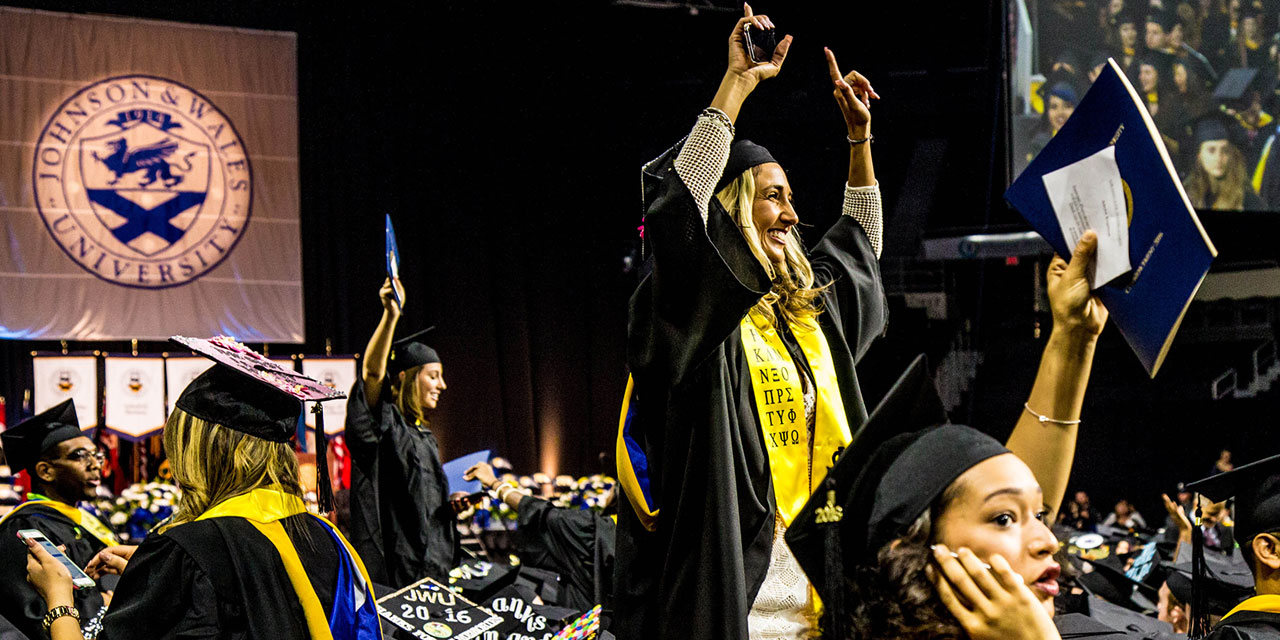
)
(407, 353)
(27, 440)
(1256, 489)
(249, 393)
(899, 462)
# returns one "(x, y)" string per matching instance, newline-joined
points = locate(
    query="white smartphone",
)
(78, 577)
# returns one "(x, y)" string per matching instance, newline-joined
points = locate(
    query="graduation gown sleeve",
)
(19, 603)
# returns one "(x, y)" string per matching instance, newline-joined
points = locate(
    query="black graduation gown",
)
(19, 603)
(1248, 625)
(698, 574)
(221, 578)
(401, 521)
(578, 544)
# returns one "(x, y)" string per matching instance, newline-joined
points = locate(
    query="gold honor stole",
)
(264, 509)
(1269, 603)
(779, 397)
(83, 519)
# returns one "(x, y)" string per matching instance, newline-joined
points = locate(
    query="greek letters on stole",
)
(779, 397)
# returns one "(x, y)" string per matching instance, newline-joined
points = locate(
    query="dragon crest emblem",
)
(151, 158)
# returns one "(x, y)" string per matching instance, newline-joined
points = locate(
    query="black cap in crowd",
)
(29, 439)
(407, 354)
(1256, 490)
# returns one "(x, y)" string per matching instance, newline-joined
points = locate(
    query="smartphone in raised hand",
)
(760, 43)
(78, 577)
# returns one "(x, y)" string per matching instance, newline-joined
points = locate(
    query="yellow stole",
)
(797, 464)
(84, 520)
(1265, 603)
(264, 509)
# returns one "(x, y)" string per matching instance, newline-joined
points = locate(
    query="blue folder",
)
(1168, 247)
(453, 470)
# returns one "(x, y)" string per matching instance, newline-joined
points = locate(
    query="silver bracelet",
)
(869, 138)
(712, 112)
(1043, 419)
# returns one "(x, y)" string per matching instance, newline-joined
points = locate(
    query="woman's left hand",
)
(111, 560)
(50, 579)
(853, 93)
(1071, 299)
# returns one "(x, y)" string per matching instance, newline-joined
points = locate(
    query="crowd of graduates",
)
(1205, 69)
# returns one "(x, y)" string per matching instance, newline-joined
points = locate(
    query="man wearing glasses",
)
(65, 468)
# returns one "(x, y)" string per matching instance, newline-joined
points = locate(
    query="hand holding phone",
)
(760, 43)
(78, 578)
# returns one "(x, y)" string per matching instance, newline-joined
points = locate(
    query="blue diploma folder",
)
(1168, 248)
(393, 259)
(453, 470)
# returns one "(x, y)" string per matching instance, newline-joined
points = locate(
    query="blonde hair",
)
(1227, 192)
(407, 395)
(793, 279)
(213, 463)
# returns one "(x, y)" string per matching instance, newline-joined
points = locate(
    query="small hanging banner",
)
(134, 395)
(58, 378)
(179, 371)
(336, 372)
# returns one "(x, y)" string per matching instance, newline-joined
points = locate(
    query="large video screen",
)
(1207, 70)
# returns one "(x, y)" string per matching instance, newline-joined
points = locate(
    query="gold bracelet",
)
(1043, 418)
(58, 612)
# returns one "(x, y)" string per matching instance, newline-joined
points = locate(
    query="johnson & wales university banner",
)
(148, 180)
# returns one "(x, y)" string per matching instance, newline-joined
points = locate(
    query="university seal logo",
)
(142, 181)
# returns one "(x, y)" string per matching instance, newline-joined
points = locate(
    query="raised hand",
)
(853, 93)
(991, 604)
(740, 63)
(742, 75)
(1071, 299)
(387, 294)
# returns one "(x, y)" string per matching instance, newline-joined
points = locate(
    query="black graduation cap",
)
(1256, 489)
(406, 353)
(1131, 622)
(1216, 125)
(1109, 581)
(897, 464)
(27, 440)
(1227, 580)
(743, 155)
(241, 403)
(1236, 84)
(480, 580)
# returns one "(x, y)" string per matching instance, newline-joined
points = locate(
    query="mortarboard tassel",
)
(324, 490)
(834, 604)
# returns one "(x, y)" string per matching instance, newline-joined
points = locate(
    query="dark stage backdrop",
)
(506, 143)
